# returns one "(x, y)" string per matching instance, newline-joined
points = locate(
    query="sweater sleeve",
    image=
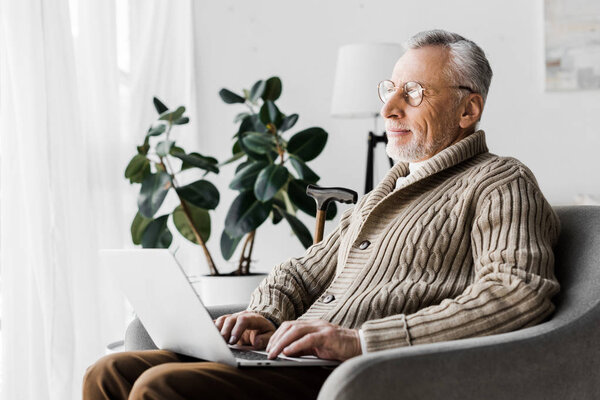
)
(290, 289)
(512, 235)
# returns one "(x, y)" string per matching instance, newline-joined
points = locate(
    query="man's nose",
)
(394, 107)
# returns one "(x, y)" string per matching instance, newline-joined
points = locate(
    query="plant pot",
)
(226, 289)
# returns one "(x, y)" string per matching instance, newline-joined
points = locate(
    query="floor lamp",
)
(359, 68)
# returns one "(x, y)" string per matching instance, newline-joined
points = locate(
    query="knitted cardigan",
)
(462, 248)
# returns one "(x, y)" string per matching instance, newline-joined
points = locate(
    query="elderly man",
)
(455, 242)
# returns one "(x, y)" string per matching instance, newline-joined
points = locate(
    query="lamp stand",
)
(373, 140)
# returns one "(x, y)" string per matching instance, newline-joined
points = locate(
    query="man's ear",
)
(471, 112)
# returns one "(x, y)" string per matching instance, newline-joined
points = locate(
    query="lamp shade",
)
(360, 67)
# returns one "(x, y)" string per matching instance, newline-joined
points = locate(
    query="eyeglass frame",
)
(423, 89)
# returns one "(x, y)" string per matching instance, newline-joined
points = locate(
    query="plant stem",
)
(211, 263)
(169, 128)
(186, 212)
(245, 259)
(273, 130)
(247, 271)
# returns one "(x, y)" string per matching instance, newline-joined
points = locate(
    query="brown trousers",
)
(161, 374)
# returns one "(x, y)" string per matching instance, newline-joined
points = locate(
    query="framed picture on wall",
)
(572, 35)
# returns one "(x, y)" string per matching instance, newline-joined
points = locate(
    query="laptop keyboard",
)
(249, 355)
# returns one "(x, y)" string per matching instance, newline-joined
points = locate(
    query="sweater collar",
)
(468, 147)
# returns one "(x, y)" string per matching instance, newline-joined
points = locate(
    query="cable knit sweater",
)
(462, 248)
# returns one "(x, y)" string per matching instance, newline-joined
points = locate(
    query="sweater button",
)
(364, 245)
(329, 298)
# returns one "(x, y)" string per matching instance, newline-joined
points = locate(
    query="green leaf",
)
(241, 116)
(269, 181)
(246, 126)
(245, 164)
(200, 219)
(296, 191)
(245, 178)
(228, 245)
(307, 144)
(177, 149)
(245, 214)
(257, 90)
(181, 121)
(276, 216)
(274, 113)
(157, 234)
(236, 148)
(257, 124)
(201, 193)
(299, 229)
(304, 172)
(331, 211)
(174, 115)
(260, 143)
(197, 160)
(250, 124)
(234, 158)
(270, 113)
(230, 98)
(153, 192)
(143, 149)
(252, 154)
(138, 226)
(157, 130)
(163, 148)
(273, 89)
(159, 105)
(137, 169)
(288, 122)
(278, 203)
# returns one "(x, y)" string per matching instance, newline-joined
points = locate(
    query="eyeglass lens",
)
(413, 92)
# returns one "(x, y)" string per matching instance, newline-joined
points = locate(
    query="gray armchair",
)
(558, 359)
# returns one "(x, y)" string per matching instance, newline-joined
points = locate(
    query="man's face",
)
(418, 133)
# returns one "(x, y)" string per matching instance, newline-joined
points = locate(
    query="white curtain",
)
(59, 176)
(69, 122)
(163, 64)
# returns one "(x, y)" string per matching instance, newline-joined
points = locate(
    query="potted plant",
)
(268, 188)
(158, 166)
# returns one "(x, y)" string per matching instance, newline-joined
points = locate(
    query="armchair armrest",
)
(547, 361)
(137, 338)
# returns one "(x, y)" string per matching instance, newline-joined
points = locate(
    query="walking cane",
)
(323, 196)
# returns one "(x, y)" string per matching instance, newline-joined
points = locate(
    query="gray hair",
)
(468, 64)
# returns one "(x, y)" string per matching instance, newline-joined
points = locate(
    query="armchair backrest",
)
(577, 265)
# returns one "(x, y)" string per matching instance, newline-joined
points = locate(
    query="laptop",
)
(173, 314)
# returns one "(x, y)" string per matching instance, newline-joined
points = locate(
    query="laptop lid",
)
(166, 303)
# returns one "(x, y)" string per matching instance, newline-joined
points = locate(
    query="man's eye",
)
(413, 93)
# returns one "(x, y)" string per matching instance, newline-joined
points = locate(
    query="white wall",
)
(237, 42)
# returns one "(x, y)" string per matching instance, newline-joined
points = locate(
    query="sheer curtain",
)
(58, 141)
(66, 133)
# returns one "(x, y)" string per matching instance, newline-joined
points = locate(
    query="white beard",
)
(418, 149)
(413, 151)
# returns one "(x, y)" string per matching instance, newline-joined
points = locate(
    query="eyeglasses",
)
(413, 91)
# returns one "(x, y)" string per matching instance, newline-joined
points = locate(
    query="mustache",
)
(398, 128)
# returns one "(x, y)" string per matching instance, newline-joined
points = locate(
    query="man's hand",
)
(246, 328)
(317, 337)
